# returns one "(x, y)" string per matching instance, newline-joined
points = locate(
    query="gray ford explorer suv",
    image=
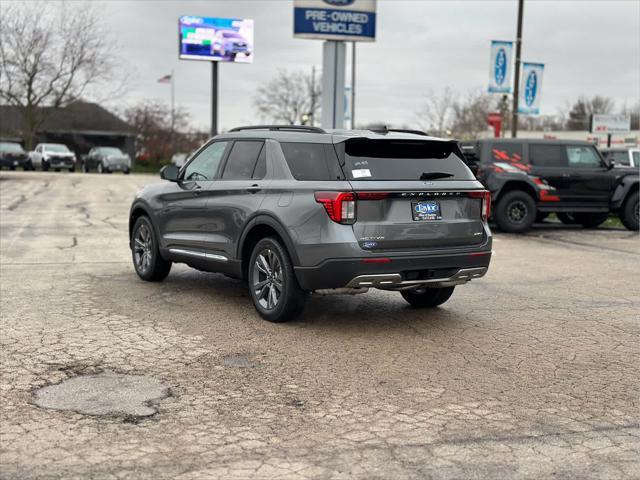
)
(294, 210)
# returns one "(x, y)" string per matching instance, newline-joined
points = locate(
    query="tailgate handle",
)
(255, 188)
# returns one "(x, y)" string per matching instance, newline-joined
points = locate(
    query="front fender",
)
(626, 185)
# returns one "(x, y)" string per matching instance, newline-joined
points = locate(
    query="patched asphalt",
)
(531, 372)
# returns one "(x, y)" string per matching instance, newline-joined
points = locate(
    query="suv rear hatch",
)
(413, 194)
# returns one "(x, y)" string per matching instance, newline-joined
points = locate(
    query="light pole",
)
(516, 86)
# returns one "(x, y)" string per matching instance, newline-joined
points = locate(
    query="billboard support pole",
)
(516, 85)
(353, 86)
(333, 76)
(214, 99)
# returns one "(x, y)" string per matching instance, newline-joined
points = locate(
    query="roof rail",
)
(291, 128)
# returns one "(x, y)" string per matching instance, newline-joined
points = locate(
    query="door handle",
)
(255, 188)
(197, 190)
(566, 175)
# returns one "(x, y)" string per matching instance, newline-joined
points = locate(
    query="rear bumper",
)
(398, 273)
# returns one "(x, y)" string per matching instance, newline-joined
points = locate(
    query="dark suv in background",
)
(528, 179)
(298, 209)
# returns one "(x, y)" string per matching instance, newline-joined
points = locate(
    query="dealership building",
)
(80, 126)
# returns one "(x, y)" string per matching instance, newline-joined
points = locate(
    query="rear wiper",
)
(435, 175)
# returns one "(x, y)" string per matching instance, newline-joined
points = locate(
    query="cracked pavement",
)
(531, 372)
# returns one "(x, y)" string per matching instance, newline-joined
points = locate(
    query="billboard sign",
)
(605, 123)
(530, 88)
(216, 39)
(500, 67)
(350, 20)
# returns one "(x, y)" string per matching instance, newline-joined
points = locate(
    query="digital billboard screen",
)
(216, 39)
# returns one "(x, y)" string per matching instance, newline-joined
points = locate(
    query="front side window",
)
(636, 158)
(242, 160)
(548, 155)
(583, 157)
(205, 165)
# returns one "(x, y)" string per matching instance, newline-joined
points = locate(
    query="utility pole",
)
(353, 86)
(516, 86)
(214, 99)
(313, 95)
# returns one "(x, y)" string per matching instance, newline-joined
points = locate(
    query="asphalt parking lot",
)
(531, 372)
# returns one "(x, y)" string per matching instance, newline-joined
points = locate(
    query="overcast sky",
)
(589, 47)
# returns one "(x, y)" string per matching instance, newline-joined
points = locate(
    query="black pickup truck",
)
(529, 179)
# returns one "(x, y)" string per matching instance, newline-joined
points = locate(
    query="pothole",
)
(105, 393)
(237, 361)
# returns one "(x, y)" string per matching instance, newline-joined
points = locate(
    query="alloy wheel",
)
(267, 279)
(517, 211)
(142, 248)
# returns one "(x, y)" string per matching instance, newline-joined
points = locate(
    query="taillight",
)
(340, 206)
(486, 203)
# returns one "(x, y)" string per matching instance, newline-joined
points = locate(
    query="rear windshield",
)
(404, 160)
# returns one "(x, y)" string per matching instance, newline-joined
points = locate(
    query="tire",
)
(85, 168)
(100, 168)
(590, 220)
(515, 212)
(56, 169)
(630, 211)
(44, 166)
(540, 216)
(147, 261)
(126, 172)
(72, 169)
(427, 297)
(12, 168)
(28, 167)
(270, 270)
(566, 218)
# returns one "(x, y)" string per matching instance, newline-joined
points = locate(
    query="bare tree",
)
(152, 124)
(581, 111)
(435, 114)
(290, 97)
(50, 55)
(470, 114)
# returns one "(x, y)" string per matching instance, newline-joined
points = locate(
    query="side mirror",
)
(170, 172)
(611, 163)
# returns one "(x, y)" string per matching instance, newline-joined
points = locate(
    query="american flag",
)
(165, 79)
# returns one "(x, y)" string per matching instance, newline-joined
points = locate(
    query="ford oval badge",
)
(531, 88)
(500, 68)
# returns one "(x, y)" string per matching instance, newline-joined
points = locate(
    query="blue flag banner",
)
(530, 88)
(500, 66)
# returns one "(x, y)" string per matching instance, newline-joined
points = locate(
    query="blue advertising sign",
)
(531, 88)
(500, 67)
(351, 20)
(216, 39)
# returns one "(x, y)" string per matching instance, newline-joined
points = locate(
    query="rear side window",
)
(506, 152)
(548, 155)
(404, 160)
(311, 161)
(242, 160)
